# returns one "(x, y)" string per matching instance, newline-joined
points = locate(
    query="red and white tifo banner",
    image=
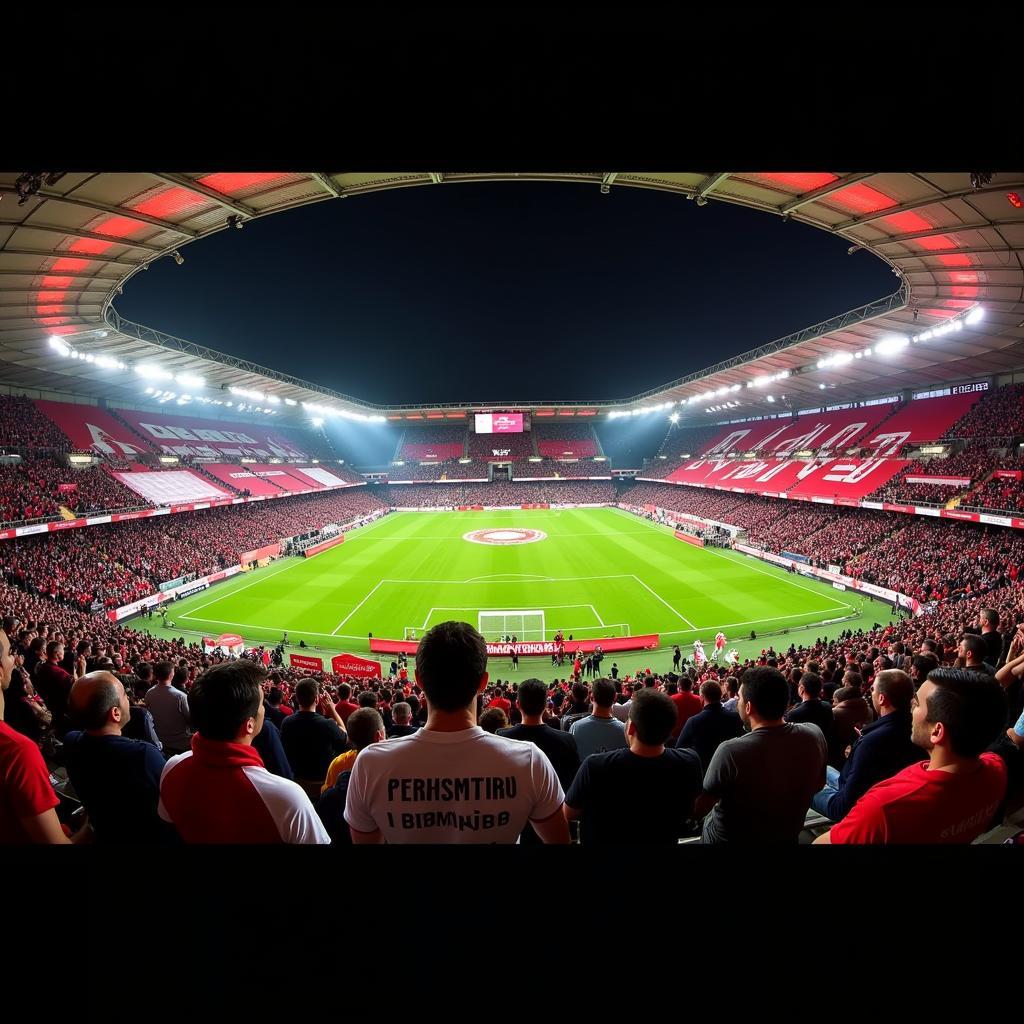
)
(948, 481)
(539, 648)
(352, 665)
(306, 661)
(1009, 474)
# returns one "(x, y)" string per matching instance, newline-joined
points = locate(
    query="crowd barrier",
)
(185, 590)
(315, 549)
(697, 542)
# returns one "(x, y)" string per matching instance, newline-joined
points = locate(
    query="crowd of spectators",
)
(689, 441)
(938, 561)
(452, 469)
(973, 463)
(999, 414)
(736, 753)
(501, 493)
(25, 494)
(555, 440)
(446, 441)
(484, 446)
(1000, 494)
(119, 563)
(22, 425)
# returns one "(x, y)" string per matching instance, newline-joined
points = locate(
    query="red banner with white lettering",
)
(352, 665)
(306, 661)
(539, 648)
(943, 481)
(1009, 474)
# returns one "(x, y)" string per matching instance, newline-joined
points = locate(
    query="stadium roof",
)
(70, 241)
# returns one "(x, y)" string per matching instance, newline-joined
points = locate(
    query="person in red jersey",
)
(686, 702)
(27, 800)
(952, 797)
(220, 791)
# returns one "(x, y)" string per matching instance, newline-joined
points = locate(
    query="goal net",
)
(524, 625)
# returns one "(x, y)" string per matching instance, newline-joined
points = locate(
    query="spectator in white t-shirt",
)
(452, 782)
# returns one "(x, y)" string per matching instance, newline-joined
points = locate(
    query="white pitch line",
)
(357, 607)
(750, 622)
(664, 602)
(600, 621)
(752, 568)
(231, 593)
(260, 579)
(547, 579)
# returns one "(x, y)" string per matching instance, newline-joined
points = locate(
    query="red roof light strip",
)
(860, 198)
(802, 181)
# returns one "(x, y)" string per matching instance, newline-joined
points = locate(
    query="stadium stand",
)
(440, 443)
(833, 431)
(688, 441)
(90, 428)
(22, 425)
(569, 440)
(499, 447)
(120, 563)
(1000, 414)
(920, 421)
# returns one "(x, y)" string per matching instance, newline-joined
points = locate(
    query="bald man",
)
(116, 778)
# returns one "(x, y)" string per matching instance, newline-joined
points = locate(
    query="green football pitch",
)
(594, 573)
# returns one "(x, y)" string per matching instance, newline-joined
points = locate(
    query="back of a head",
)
(367, 699)
(224, 696)
(970, 705)
(580, 693)
(990, 617)
(532, 696)
(924, 665)
(493, 719)
(853, 680)
(451, 660)
(653, 714)
(401, 713)
(274, 696)
(92, 698)
(767, 690)
(812, 684)
(163, 672)
(306, 692)
(180, 677)
(604, 693)
(144, 671)
(847, 693)
(364, 726)
(711, 692)
(897, 686)
(344, 691)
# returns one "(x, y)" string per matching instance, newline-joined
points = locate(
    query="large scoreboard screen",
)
(499, 423)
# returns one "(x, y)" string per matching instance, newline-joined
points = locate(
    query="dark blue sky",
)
(502, 292)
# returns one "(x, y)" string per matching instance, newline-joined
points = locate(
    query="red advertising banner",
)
(315, 549)
(306, 661)
(67, 488)
(543, 505)
(352, 665)
(470, 508)
(1009, 474)
(270, 551)
(649, 641)
(697, 542)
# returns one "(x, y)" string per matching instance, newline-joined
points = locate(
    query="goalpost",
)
(526, 625)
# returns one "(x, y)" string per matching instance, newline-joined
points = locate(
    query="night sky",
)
(502, 292)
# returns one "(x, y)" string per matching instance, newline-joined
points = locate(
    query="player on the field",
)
(720, 643)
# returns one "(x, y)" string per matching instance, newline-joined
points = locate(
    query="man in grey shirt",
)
(758, 786)
(599, 731)
(169, 708)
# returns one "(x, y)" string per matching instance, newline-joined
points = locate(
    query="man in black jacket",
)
(883, 749)
(708, 728)
(560, 747)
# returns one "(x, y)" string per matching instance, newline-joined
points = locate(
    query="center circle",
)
(504, 536)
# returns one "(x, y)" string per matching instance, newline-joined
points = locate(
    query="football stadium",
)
(778, 599)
